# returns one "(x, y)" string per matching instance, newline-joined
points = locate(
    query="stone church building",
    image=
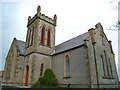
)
(86, 61)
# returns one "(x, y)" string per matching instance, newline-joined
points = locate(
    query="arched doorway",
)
(27, 75)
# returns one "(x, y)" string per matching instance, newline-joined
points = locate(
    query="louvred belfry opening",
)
(48, 38)
(42, 35)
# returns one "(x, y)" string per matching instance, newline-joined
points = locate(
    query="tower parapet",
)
(41, 16)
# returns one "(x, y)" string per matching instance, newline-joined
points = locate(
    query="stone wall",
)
(34, 62)
(95, 51)
(13, 70)
(79, 68)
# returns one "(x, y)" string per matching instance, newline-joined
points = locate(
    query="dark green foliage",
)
(48, 81)
(42, 81)
(36, 84)
(50, 78)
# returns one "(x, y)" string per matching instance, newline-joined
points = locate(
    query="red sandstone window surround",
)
(48, 38)
(42, 35)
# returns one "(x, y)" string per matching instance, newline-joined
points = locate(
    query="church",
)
(86, 61)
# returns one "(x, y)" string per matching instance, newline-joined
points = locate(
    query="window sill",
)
(45, 45)
(48, 46)
(67, 77)
(41, 44)
(107, 77)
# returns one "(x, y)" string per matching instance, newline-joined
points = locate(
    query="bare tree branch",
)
(116, 25)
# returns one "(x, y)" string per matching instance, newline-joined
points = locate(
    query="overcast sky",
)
(74, 17)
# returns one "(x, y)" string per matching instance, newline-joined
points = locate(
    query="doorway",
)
(27, 75)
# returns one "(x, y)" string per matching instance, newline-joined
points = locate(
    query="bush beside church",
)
(47, 81)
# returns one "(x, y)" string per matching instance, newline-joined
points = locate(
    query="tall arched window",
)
(48, 38)
(106, 65)
(41, 69)
(67, 67)
(42, 35)
(32, 34)
(102, 66)
(110, 68)
(29, 37)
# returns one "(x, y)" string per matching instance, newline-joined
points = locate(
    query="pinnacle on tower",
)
(38, 9)
(55, 18)
(29, 18)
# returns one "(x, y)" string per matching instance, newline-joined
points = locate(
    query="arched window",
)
(106, 65)
(29, 37)
(41, 69)
(67, 67)
(48, 38)
(32, 34)
(110, 68)
(42, 35)
(102, 66)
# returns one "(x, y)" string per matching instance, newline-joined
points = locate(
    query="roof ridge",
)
(71, 39)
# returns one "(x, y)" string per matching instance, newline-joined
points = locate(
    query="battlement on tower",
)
(43, 17)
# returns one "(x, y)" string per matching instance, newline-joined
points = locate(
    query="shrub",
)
(36, 84)
(48, 80)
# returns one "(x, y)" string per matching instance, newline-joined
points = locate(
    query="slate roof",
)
(21, 46)
(70, 44)
(67, 45)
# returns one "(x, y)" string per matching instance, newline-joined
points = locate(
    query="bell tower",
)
(40, 44)
(41, 33)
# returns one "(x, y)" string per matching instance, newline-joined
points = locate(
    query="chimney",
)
(92, 34)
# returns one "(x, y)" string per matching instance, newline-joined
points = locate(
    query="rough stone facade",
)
(1, 76)
(79, 70)
(86, 61)
(98, 46)
(14, 65)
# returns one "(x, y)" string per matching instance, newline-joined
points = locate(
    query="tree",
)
(116, 6)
